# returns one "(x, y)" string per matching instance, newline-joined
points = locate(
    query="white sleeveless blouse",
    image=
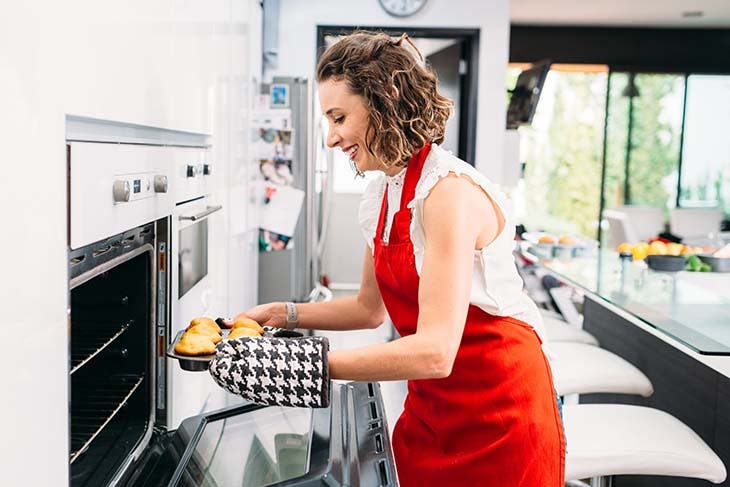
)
(496, 286)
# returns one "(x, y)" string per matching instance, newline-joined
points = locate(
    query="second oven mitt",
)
(274, 371)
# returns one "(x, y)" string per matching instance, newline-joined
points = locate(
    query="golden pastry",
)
(203, 320)
(248, 323)
(546, 239)
(195, 344)
(242, 331)
(212, 327)
(205, 331)
(567, 240)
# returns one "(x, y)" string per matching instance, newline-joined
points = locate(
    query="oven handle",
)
(208, 210)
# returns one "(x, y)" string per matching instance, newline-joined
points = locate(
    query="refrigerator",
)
(292, 273)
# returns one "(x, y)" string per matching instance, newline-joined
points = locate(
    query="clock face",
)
(402, 8)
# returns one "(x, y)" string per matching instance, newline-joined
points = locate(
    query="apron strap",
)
(413, 174)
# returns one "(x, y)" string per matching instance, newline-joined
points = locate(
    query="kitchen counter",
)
(688, 310)
(674, 327)
(692, 307)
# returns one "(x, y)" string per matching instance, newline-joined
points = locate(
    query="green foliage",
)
(563, 172)
(655, 136)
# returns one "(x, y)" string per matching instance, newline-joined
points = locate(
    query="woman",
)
(481, 407)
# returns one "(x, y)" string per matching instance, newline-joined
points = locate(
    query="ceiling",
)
(627, 13)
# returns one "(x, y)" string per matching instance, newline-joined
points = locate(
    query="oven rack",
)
(98, 402)
(89, 341)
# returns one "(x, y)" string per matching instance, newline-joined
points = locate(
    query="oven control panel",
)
(132, 187)
(193, 174)
(115, 187)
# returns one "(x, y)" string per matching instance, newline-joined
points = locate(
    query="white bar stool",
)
(557, 330)
(582, 369)
(616, 439)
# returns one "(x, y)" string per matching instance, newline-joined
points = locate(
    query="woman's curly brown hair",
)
(373, 64)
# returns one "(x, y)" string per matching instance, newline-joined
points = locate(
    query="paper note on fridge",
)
(281, 208)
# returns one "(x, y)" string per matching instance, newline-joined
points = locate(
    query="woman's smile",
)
(351, 151)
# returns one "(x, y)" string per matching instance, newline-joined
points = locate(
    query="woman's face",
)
(348, 122)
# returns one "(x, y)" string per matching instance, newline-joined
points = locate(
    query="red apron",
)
(494, 421)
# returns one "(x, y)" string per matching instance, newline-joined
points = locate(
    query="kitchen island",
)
(675, 327)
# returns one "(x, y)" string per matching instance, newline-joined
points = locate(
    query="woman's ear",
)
(395, 92)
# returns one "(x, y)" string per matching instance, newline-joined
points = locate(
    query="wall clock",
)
(402, 8)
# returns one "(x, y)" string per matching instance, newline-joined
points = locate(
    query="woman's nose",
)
(332, 138)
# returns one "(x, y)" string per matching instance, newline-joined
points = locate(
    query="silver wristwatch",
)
(292, 316)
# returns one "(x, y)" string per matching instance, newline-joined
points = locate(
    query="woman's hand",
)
(268, 314)
(275, 371)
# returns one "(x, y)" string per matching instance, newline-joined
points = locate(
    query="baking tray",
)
(199, 363)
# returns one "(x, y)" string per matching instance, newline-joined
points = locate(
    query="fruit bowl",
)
(666, 263)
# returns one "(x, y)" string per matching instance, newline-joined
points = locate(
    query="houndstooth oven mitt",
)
(274, 371)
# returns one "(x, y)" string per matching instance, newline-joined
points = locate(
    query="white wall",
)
(297, 51)
(177, 64)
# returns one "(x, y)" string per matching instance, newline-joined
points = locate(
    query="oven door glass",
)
(346, 443)
(260, 448)
(192, 256)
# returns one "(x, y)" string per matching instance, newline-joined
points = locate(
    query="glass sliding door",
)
(562, 151)
(705, 173)
(643, 139)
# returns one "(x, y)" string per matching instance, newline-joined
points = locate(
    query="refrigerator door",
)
(344, 444)
(286, 275)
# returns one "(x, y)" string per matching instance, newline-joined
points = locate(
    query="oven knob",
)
(121, 191)
(194, 170)
(160, 183)
(207, 169)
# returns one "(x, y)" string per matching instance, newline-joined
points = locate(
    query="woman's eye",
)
(339, 119)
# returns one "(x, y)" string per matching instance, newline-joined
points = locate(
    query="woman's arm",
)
(366, 310)
(450, 215)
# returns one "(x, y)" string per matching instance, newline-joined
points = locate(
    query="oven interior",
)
(111, 407)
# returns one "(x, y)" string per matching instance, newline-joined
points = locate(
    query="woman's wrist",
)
(277, 312)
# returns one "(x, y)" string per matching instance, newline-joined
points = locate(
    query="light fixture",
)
(693, 14)
(631, 89)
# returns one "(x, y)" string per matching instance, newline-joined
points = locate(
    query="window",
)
(705, 174)
(562, 151)
(643, 139)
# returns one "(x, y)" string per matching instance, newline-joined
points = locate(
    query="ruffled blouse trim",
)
(369, 211)
(439, 164)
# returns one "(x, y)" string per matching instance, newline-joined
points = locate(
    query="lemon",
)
(658, 248)
(624, 247)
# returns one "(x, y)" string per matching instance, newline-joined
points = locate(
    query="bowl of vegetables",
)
(696, 264)
(718, 261)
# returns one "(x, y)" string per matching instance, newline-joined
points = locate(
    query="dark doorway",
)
(453, 54)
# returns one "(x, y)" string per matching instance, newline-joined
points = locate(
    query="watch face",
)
(402, 8)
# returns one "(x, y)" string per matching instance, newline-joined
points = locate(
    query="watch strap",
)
(292, 316)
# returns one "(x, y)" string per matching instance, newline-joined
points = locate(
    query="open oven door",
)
(250, 445)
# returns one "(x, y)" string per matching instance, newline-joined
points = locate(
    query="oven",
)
(120, 210)
(197, 286)
(141, 265)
